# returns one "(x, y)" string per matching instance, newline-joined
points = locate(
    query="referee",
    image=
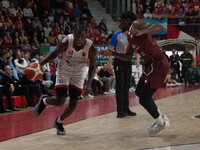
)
(122, 69)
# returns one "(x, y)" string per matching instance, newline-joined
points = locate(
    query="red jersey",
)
(156, 64)
(198, 60)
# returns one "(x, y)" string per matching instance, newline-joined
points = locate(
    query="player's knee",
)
(143, 100)
(73, 103)
(60, 100)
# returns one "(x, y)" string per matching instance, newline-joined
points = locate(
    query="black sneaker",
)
(15, 109)
(121, 115)
(130, 113)
(59, 127)
(40, 106)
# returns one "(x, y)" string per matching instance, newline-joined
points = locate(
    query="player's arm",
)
(125, 57)
(139, 28)
(52, 55)
(92, 68)
(137, 63)
(110, 57)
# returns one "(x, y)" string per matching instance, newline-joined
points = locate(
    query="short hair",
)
(128, 15)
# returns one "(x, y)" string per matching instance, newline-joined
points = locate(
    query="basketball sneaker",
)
(59, 128)
(40, 106)
(154, 129)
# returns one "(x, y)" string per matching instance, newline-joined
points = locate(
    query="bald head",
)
(7, 69)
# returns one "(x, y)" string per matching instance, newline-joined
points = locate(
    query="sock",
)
(44, 100)
(160, 121)
(59, 120)
(159, 111)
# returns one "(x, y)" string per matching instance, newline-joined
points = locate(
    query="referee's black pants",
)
(123, 71)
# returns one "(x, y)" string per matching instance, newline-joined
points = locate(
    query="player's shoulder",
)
(138, 24)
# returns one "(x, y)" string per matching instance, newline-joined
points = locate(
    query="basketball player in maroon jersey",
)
(77, 53)
(156, 67)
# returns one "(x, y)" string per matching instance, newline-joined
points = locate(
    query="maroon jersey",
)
(156, 64)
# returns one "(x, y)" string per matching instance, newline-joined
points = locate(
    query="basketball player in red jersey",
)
(156, 67)
(77, 53)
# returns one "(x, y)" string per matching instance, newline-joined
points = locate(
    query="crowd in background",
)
(25, 25)
(184, 14)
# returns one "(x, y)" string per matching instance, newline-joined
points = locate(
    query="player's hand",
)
(105, 52)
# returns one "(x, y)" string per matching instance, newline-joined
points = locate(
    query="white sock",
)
(160, 121)
(159, 111)
(44, 100)
(59, 120)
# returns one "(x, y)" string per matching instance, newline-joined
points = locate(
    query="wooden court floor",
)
(94, 125)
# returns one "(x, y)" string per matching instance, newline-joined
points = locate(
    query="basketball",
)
(34, 71)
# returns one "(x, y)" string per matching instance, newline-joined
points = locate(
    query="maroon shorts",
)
(156, 72)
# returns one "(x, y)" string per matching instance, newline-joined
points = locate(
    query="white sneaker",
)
(131, 89)
(178, 84)
(90, 96)
(155, 129)
(111, 91)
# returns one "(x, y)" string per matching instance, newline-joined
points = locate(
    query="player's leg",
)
(74, 96)
(145, 93)
(75, 88)
(58, 100)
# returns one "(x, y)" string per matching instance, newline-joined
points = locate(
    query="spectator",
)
(47, 29)
(186, 59)
(35, 45)
(107, 78)
(27, 56)
(175, 65)
(168, 5)
(147, 14)
(45, 42)
(7, 39)
(97, 85)
(51, 38)
(27, 11)
(103, 27)
(2, 108)
(66, 27)
(5, 4)
(36, 23)
(61, 35)
(56, 29)
(20, 63)
(140, 14)
(12, 8)
(198, 64)
(25, 46)
(190, 19)
(28, 26)
(83, 5)
(192, 76)
(159, 4)
(181, 16)
(41, 37)
(165, 13)
(16, 87)
(169, 81)
(148, 5)
(173, 16)
(156, 13)
(13, 68)
(77, 11)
